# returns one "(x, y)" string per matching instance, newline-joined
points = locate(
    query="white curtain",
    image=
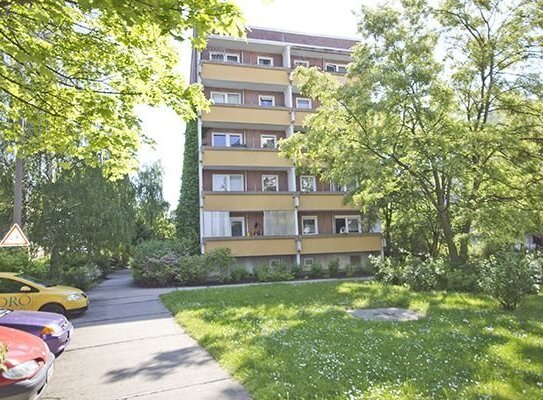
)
(279, 223)
(216, 223)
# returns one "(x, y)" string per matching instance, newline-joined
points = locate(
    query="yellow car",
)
(18, 292)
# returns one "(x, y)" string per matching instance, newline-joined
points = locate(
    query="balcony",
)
(346, 243)
(241, 76)
(324, 201)
(231, 116)
(248, 201)
(299, 117)
(254, 245)
(225, 157)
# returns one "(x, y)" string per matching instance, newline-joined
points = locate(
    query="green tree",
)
(152, 220)
(74, 70)
(187, 213)
(444, 103)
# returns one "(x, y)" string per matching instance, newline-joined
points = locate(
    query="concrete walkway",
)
(127, 346)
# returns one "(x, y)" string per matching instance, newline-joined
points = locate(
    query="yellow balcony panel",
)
(218, 72)
(254, 246)
(240, 114)
(248, 201)
(324, 202)
(299, 117)
(242, 157)
(348, 243)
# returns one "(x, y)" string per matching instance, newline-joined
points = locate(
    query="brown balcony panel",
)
(257, 75)
(242, 157)
(247, 201)
(240, 114)
(324, 202)
(299, 117)
(348, 243)
(254, 246)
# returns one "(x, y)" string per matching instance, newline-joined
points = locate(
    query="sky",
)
(325, 17)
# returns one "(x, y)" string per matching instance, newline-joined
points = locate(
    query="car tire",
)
(53, 308)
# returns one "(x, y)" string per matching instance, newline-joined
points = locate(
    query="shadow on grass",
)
(297, 341)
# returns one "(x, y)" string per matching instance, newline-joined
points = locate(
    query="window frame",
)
(225, 56)
(314, 186)
(316, 219)
(226, 94)
(270, 59)
(270, 176)
(307, 259)
(227, 134)
(297, 63)
(346, 218)
(336, 67)
(310, 105)
(274, 260)
(334, 186)
(228, 182)
(263, 96)
(269, 136)
(237, 219)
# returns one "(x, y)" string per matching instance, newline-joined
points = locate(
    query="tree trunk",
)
(448, 235)
(18, 192)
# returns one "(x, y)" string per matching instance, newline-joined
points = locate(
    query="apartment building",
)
(252, 200)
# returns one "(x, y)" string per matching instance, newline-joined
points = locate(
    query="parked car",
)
(19, 292)
(54, 329)
(29, 365)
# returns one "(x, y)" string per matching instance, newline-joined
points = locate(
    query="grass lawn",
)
(297, 342)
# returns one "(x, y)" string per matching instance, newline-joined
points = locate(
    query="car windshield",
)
(35, 281)
(4, 312)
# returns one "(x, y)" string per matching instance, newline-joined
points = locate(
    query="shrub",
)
(423, 275)
(14, 260)
(509, 277)
(239, 274)
(219, 261)
(273, 273)
(462, 278)
(156, 262)
(192, 270)
(316, 270)
(83, 277)
(387, 270)
(333, 267)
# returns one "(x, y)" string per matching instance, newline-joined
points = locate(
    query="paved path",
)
(127, 346)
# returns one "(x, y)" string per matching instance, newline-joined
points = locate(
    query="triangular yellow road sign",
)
(14, 238)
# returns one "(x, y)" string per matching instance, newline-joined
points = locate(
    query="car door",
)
(16, 295)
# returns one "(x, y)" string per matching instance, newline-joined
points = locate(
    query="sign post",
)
(14, 238)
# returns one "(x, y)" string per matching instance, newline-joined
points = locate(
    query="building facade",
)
(251, 199)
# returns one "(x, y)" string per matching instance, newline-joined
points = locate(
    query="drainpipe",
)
(200, 165)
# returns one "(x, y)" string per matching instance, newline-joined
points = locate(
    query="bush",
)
(509, 277)
(239, 274)
(83, 277)
(462, 278)
(156, 262)
(423, 275)
(14, 260)
(192, 270)
(387, 270)
(333, 267)
(219, 261)
(317, 270)
(273, 273)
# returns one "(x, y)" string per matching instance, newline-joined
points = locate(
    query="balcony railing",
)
(243, 157)
(342, 243)
(222, 115)
(248, 246)
(324, 201)
(248, 201)
(214, 73)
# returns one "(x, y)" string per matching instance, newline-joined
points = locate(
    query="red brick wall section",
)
(251, 97)
(251, 58)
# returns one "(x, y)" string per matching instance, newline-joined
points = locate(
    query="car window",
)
(10, 286)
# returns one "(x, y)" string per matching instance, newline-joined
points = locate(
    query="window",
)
(308, 183)
(335, 187)
(266, 101)
(303, 102)
(225, 98)
(268, 141)
(226, 139)
(348, 224)
(310, 225)
(300, 62)
(10, 286)
(237, 226)
(270, 183)
(267, 61)
(309, 261)
(336, 67)
(224, 57)
(227, 183)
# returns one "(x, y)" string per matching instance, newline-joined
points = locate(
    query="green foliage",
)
(193, 270)
(333, 267)
(187, 214)
(316, 270)
(510, 277)
(152, 220)
(273, 273)
(447, 148)
(239, 274)
(74, 72)
(13, 260)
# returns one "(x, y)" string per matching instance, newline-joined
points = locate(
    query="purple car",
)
(55, 330)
